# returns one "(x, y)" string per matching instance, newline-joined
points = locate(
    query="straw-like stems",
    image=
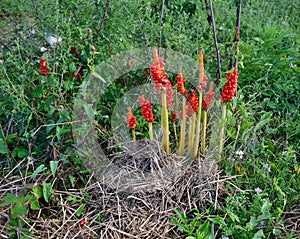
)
(203, 141)
(165, 122)
(221, 136)
(133, 134)
(191, 133)
(150, 131)
(182, 128)
(197, 138)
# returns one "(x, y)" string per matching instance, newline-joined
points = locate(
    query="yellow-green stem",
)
(165, 122)
(221, 136)
(150, 131)
(133, 134)
(191, 136)
(204, 132)
(175, 134)
(197, 139)
(182, 128)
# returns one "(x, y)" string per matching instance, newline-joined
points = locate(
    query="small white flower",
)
(240, 153)
(257, 190)
(43, 49)
(53, 40)
(32, 31)
(1, 62)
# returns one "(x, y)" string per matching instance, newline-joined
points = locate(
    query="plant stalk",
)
(150, 131)
(203, 142)
(221, 136)
(182, 128)
(165, 122)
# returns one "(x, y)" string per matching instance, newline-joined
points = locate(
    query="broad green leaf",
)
(37, 191)
(9, 199)
(3, 148)
(39, 169)
(18, 209)
(46, 191)
(34, 204)
(53, 167)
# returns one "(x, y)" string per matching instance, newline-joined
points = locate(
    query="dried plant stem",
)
(133, 134)
(182, 128)
(221, 136)
(212, 22)
(150, 131)
(203, 142)
(165, 122)
(191, 133)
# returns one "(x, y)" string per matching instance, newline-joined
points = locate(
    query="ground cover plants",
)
(49, 48)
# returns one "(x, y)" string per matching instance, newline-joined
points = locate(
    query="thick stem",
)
(150, 131)
(191, 137)
(221, 136)
(175, 134)
(133, 134)
(203, 142)
(165, 122)
(182, 128)
(197, 139)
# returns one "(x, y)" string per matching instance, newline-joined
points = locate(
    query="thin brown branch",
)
(211, 20)
(237, 33)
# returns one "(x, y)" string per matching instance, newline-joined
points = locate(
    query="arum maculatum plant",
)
(228, 92)
(194, 108)
(147, 113)
(131, 122)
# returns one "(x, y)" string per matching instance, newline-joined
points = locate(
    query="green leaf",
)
(72, 180)
(259, 234)
(222, 82)
(3, 148)
(72, 67)
(39, 169)
(89, 110)
(277, 232)
(98, 76)
(18, 209)
(10, 199)
(34, 204)
(38, 192)
(218, 220)
(53, 167)
(261, 124)
(46, 191)
(181, 216)
(80, 210)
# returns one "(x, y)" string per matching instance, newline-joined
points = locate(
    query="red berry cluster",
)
(43, 67)
(229, 88)
(193, 100)
(131, 119)
(159, 77)
(145, 109)
(174, 115)
(209, 96)
(180, 83)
